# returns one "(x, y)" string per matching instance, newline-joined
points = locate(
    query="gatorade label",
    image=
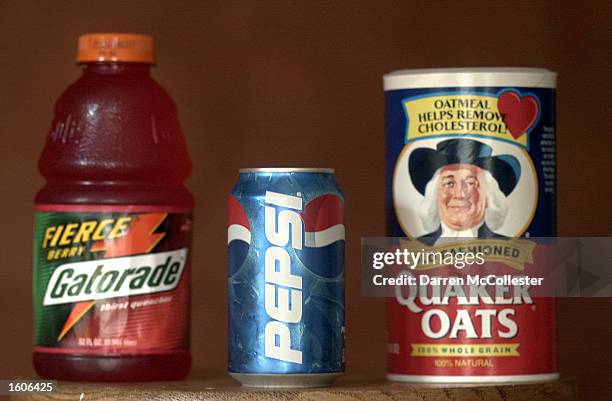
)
(111, 280)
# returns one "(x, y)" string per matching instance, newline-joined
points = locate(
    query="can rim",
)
(287, 170)
(529, 77)
(527, 378)
(471, 70)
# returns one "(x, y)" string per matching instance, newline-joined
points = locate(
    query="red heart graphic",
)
(519, 114)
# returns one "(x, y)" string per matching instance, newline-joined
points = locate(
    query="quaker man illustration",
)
(465, 189)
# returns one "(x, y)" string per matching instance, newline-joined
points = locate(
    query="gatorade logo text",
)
(283, 290)
(115, 277)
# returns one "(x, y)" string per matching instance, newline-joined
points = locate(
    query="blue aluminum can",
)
(286, 278)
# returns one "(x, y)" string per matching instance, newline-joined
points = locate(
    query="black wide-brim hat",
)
(424, 162)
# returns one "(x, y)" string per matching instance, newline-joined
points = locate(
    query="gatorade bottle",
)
(113, 224)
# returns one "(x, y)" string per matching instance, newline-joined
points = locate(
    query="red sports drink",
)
(113, 224)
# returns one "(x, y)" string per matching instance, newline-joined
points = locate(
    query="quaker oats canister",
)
(471, 153)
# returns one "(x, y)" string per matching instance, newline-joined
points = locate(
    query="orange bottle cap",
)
(121, 47)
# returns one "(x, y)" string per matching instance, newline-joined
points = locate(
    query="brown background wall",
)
(299, 83)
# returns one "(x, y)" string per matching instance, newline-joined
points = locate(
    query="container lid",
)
(470, 77)
(287, 170)
(116, 47)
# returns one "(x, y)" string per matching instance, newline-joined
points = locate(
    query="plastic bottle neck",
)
(106, 68)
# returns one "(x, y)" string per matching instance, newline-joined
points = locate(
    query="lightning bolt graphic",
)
(141, 238)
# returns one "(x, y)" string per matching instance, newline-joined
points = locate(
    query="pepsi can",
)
(286, 278)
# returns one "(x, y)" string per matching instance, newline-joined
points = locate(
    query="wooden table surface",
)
(348, 389)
